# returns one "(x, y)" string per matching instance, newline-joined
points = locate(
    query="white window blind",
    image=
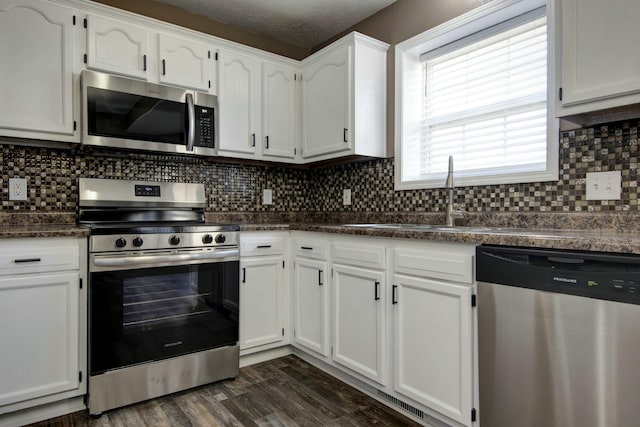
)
(485, 101)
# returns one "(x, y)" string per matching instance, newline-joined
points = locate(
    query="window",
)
(476, 88)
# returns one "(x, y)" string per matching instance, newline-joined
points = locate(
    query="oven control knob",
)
(221, 238)
(137, 242)
(174, 240)
(207, 238)
(121, 242)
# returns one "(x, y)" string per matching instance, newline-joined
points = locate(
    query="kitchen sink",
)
(432, 227)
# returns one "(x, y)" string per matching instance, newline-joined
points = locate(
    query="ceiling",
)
(303, 23)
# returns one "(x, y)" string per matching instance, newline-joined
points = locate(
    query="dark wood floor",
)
(281, 392)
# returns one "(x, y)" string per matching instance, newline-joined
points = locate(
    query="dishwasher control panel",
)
(613, 277)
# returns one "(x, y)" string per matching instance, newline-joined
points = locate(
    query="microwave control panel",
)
(205, 127)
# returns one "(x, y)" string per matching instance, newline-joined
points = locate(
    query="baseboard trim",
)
(42, 412)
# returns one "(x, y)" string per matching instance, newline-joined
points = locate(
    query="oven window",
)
(124, 115)
(150, 314)
(153, 301)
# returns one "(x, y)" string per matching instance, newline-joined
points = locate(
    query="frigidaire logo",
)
(173, 344)
(565, 279)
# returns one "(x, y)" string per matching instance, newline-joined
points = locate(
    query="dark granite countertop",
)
(601, 240)
(593, 240)
(42, 230)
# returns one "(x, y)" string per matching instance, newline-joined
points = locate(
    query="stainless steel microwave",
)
(119, 112)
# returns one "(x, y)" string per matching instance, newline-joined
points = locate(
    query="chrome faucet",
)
(452, 214)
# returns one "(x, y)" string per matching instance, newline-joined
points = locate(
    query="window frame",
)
(408, 100)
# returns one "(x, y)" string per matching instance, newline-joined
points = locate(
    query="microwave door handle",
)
(191, 114)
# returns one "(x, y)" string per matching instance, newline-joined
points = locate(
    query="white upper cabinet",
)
(596, 62)
(278, 111)
(344, 99)
(184, 62)
(326, 99)
(257, 108)
(117, 47)
(238, 98)
(268, 109)
(37, 70)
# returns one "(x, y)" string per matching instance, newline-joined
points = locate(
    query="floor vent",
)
(415, 411)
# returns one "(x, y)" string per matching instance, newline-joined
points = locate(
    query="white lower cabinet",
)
(43, 333)
(40, 355)
(311, 296)
(261, 301)
(401, 320)
(433, 328)
(263, 298)
(433, 345)
(359, 337)
(359, 309)
(311, 312)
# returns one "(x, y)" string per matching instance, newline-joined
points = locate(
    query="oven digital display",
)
(147, 190)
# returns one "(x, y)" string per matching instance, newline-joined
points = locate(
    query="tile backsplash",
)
(52, 175)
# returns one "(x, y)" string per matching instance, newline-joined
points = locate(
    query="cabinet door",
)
(359, 339)
(261, 301)
(311, 305)
(39, 335)
(278, 110)
(116, 47)
(433, 357)
(184, 62)
(326, 93)
(238, 100)
(36, 47)
(597, 63)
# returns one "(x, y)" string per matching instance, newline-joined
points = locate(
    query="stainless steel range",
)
(163, 291)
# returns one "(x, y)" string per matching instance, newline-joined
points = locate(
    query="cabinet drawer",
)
(310, 248)
(370, 256)
(261, 245)
(38, 256)
(439, 265)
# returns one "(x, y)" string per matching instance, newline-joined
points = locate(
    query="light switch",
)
(267, 197)
(604, 185)
(346, 196)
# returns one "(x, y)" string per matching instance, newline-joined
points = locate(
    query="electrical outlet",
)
(267, 197)
(604, 185)
(346, 196)
(17, 189)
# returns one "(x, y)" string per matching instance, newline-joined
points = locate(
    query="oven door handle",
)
(116, 261)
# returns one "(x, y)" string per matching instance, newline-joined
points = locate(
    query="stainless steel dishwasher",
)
(558, 338)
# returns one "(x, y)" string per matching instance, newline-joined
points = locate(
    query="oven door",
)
(156, 312)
